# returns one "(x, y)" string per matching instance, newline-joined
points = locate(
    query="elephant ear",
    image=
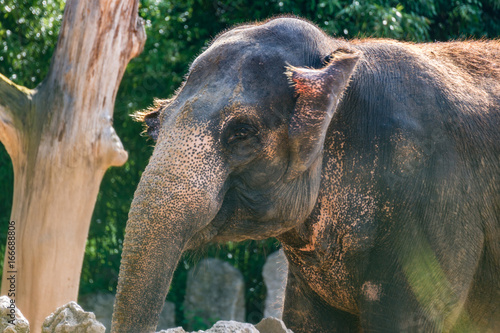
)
(152, 122)
(151, 117)
(318, 92)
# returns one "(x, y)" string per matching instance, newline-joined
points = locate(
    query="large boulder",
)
(214, 291)
(71, 318)
(11, 319)
(275, 273)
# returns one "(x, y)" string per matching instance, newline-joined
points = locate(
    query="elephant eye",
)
(240, 133)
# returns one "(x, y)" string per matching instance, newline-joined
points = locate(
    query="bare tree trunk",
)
(61, 141)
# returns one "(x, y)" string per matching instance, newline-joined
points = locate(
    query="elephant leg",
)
(305, 311)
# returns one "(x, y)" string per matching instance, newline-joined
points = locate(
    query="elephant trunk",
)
(162, 219)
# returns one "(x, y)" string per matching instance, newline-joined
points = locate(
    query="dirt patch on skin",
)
(372, 291)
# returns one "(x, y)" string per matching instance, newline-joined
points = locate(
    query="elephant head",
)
(238, 153)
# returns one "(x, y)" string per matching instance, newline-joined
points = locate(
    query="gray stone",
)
(272, 325)
(214, 291)
(173, 330)
(167, 316)
(231, 327)
(7, 308)
(101, 305)
(275, 273)
(71, 318)
(267, 325)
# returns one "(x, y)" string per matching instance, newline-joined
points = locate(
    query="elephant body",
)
(376, 164)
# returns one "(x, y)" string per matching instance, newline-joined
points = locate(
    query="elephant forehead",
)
(226, 95)
(291, 34)
(249, 76)
(246, 65)
(249, 61)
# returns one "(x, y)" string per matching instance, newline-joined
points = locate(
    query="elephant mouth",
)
(228, 225)
(203, 237)
(240, 217)
(237, 230)
(220, 234)
(211, 232)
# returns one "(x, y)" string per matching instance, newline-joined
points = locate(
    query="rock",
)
(214, 291)
(272, 325)
(11, 319)
(275, 273)
(267, 325)
(71, 318)
(231, 327)
(102, 306)
(173, 330)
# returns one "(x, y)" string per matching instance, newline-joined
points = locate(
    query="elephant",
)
(375, 163)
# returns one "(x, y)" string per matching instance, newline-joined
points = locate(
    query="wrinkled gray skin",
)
(375, 163)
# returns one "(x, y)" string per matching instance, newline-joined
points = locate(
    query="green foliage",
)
(200, 323)
(7, 186)
(28, 35)
(178, 31)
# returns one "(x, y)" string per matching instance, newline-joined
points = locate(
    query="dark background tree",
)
(177, 32)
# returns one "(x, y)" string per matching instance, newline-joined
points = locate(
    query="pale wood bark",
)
(61, 141)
